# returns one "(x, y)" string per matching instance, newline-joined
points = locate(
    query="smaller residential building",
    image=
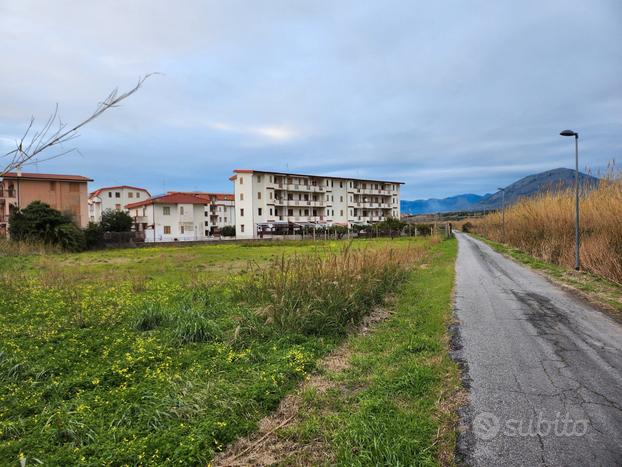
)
(66, 193)
(113, 197)
(182, 216)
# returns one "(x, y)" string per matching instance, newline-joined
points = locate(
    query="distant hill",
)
(451, 204)
(551, 180)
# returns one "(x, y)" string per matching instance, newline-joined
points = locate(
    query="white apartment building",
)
(113, 197)
(181, 216)
(265, 200)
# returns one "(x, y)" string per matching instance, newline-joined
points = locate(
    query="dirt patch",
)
(266, 446)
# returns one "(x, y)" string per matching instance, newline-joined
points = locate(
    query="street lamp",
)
(576, 190)
(502, 214)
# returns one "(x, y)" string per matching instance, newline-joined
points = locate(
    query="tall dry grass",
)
(544, 226)
(324, 293)
(10, 248)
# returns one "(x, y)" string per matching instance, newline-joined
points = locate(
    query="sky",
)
(447, 96)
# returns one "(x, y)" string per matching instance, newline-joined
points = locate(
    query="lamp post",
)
(502, 214)
(576, 190)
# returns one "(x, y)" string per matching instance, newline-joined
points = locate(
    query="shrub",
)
(116, 221)
(467, 227)
(38, 222)
(228, 231)
(94, 235)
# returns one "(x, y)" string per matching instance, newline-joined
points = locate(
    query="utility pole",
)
(577, 231)
(502, 214)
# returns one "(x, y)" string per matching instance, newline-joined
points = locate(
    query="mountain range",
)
(551, 180)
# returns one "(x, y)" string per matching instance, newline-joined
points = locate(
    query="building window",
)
(241, 180)
(259, 211)
(259, 178)
(181, 211)
(167, 230)
(241, 227)
(117, 194)
(181, 229)
(117, 207)
(138, 194)
(341, 213)
(206, 224)
(270, 211)
(166, 210)
(306, 212)
(341, 198)
(110, 194)
(242, 212)
(259, 195)
(241, 196)
(130, 195)
(225, 220)
(290, 212)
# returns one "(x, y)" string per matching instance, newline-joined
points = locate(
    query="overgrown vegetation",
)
(148, 356)
(543, 227)
(324, 293)
(394, 402)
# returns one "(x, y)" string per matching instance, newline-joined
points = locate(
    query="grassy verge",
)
(393, 402)
(594, 288)
(147, 368)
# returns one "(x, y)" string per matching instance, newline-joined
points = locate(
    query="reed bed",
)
(544, 226)
(324, 293)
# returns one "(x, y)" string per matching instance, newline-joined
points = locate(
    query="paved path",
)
(545, 368)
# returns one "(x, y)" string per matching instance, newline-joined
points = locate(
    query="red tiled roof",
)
(99, 190)
(208, 196)
(57, 177)
(169, 198)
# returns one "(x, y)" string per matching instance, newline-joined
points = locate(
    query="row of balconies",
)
(322, 189)
(302, 203)
(327, 218)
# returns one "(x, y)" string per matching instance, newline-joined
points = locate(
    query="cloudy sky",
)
(447, 96)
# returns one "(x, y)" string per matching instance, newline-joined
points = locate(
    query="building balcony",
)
(6, 193)
(298, 187)
(141, 219)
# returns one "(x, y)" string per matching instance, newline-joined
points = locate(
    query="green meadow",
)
(166, 355)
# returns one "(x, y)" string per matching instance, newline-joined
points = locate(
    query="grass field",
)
(150, 356)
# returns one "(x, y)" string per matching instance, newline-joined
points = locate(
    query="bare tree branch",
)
(29, 148)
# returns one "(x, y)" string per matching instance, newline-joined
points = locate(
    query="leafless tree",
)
(35, 146)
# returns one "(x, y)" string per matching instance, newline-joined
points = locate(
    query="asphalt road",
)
(543, 367)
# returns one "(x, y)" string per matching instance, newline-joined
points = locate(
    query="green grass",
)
(593, 287)
(143, 356)
(386, 408)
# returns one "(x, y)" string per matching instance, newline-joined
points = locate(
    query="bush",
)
(228, 231)
(467, 227)
(94, 235)
(116, 221)
(39, 222)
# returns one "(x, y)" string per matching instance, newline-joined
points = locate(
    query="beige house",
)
(182, 216)
(115, 198)
(266, 201)
(66, 193)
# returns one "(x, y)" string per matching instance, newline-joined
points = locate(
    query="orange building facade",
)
(66, 193)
